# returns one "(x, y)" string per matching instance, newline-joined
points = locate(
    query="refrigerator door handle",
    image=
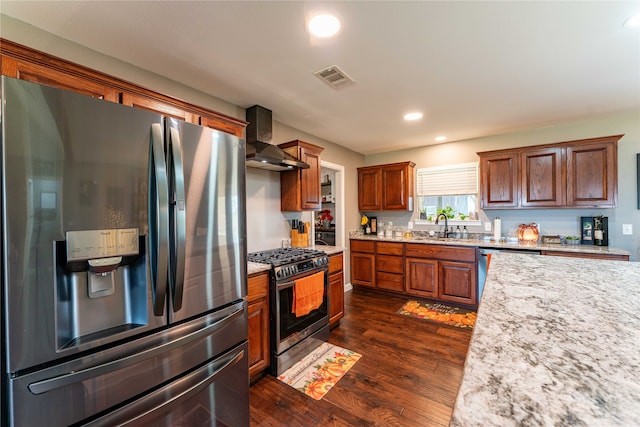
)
(191, 384)
(94, 372)
(158, 205)
(180, 218)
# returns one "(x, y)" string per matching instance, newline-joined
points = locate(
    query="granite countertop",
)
(256, 267)
(557, 342)
(480, 243)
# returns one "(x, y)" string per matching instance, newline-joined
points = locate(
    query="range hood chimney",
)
(261, 153)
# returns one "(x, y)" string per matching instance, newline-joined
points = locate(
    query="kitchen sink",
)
(436, 239)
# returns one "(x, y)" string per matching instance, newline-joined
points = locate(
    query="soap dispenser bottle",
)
(458, 232)
(465, 233)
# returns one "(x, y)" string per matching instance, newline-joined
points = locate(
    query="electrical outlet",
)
(487, 226)
(627, 228)
(410, 225)
(286, 243)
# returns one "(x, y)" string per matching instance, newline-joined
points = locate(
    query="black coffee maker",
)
(594, 230)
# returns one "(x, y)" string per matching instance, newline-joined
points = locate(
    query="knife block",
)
(298, 239)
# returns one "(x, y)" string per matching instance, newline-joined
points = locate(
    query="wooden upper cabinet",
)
(369, 185)
(28, 64)
(50, 74)
(542, 178)
(592, 174)
(150, 104)
(499, 180)
(397, 185)
(300, 189)
(223, 124)
(573, 174)
(386, 187)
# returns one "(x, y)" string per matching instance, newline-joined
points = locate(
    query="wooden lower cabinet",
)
(363, 263)
(258, 312)
(446, 273)
(440, 272)
(610, 257)
(421, 278)
(336, 290)
(390, 266)
(457, 282)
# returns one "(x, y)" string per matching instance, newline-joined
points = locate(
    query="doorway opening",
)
(332, 184)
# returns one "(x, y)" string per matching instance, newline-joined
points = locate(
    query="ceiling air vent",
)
(334, 77)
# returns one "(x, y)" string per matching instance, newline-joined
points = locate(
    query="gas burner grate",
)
(283, 256)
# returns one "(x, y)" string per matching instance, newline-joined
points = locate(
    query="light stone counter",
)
(256, 267)
(556, 343)
(480, 243)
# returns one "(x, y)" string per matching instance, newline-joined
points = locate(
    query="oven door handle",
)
(290, 284)
(285, 285)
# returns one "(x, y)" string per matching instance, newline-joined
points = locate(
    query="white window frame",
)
(451, 180)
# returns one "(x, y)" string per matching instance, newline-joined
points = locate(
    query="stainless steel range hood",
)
(260, 152)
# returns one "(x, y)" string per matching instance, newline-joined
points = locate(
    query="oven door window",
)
(289, 323)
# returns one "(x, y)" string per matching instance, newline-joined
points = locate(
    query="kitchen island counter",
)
(555, 343)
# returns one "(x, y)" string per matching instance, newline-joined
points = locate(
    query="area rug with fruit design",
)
(440, 313)
(320, 370)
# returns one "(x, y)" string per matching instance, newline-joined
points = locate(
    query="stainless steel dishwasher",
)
(484, 259)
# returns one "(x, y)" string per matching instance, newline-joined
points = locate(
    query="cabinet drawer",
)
(390, 281)
(363, 246)
(258, 286)
(450, 253)
(389, 248)
(390, 264)
(335, 263)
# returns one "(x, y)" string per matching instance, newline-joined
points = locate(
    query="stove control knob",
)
(294, 269)
(278, 274)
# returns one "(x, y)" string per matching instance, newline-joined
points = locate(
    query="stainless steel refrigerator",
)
(123, 265)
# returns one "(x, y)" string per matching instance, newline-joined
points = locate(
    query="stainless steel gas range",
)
(293, 337)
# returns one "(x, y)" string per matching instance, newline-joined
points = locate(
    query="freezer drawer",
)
(187, 400)
(81, 389)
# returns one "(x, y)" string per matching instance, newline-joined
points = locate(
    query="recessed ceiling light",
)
(413, 116)
(324, 25)
(633, 22)
(441, 138)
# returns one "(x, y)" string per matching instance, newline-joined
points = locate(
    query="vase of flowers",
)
(364, 222)
(326, 218)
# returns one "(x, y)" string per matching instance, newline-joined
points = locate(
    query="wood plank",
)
(409, 373)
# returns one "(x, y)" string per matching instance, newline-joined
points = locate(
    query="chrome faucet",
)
(446, 224)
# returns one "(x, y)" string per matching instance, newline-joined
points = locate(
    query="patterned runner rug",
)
(320, 370)
(440, 313)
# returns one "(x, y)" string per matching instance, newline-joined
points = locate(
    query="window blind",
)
(448, 180)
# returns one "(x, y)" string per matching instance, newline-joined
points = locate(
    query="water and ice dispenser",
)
(101, 285)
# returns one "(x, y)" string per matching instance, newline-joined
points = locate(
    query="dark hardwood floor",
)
(408, 375)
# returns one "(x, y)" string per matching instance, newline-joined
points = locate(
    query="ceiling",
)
(474, 68)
